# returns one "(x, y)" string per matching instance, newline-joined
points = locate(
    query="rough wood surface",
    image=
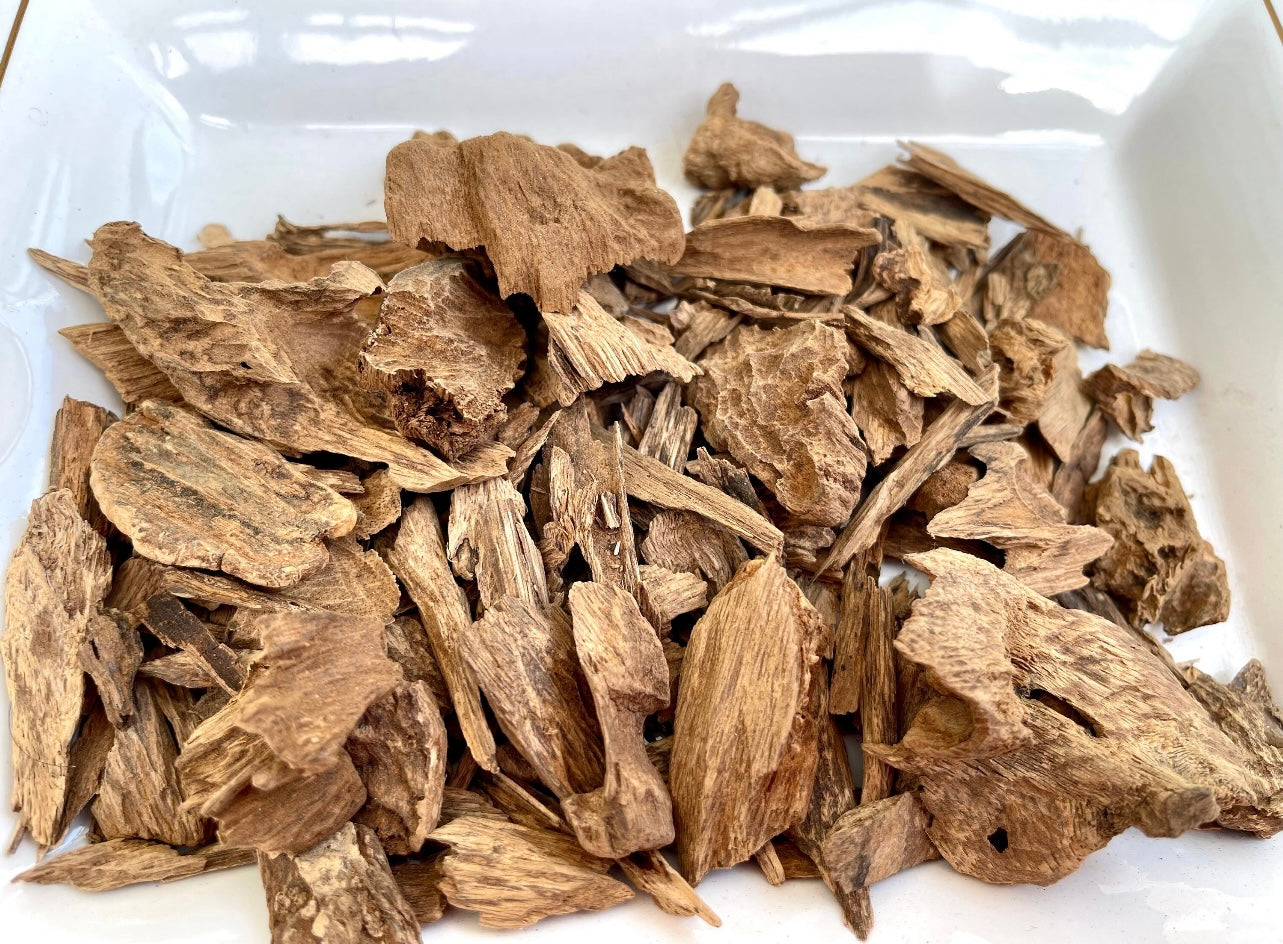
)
(672, 593)
(650, 872)
(728, 151)
(272, 360)
(1053, 730)
(340, 891)
(135, 378)
(171, 623)
(773, 399)
(399, 749)
(445, 351)
(516, 875)
(945, 171)
(588, 348)
(1126, 394)
(923, 368)
(686, 543)
(419, 882)
(116, 863)
(110, 655)
(887, 413)
(186, 493)
(76, 428)
(1053, 278)
(1160, 569)
(744, 748)
(1025, 351)
(923, 287)
(57, 578)
(938, 444)
(524, 660)
(670, 429)
(1011, 511)
(902, 195)
(418, 556)
(378, 505)
(624, 665)
(787, 252)
(546, 222)
(489, 543)
(1066, 408)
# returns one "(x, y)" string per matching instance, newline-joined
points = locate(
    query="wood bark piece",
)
(546, 222)
(1054, 731)
(187, 493)
(57, 578)
(786, 252)
(139, 795)
(874, 841)
(110, 655)
(1126, 394)
(773, 399)
(922, 367)
(1011, 511)
(524, 660)
(341, 891)
(728, 151)
(1245, 710)
(489, 543)
(273, 360)
(270, 765)
(173, 625)
(938, 444)
(1056, 279)
(588, 348)
(743, 762)
(445, 351)
(624, 665)
(399, 749)
(1066, 408)
(135, 378)
(418, 556)
(1160, 569)
(945, 171)
(116, 863)
(649, 480)
(516, 875)
(76, 428)
(888, 414)
(1025, 351)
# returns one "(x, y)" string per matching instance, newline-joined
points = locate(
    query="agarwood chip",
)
(1066, 408)
(272, 360)
(672, 593)
(445, 351)
(489, 543)
(650, 872)
(1160, 569)
(139, 795)
(924, 291)
(624, 665)
(728, 151)
(516, 875)
(340, 891)
(76, 428)
(1025, 351)
(378, 505)
(1054, 730)
(684, 542)
(524, 660)
(742, 765)
(934, 211)
(773, 399)
(706, 324)
(116, 863)
(186, 493)
(1057, 280)
(888, 414)
(546, 222)
(1011, 511)
(418, 557)
(1126, 394)
(135, 378)
(57, 578)
(110, 655)
(945, 171)
(399, 749)
(922, 367)
(419, 882)
(787, 252)
(171, 623)
(587, 348)
(670, 428)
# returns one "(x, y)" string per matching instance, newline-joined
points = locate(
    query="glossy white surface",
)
(1154, 126)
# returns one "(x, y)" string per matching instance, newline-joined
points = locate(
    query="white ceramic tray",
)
(1153, 126)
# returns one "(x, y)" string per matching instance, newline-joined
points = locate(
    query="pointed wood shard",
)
(922, 367)
(57, 578)
(76, 428)
(626, 672)
(742, 764)
(106, 346)
(186, 493)
(338, 892)
(116, 863)
(546, 222)
(728, 151)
